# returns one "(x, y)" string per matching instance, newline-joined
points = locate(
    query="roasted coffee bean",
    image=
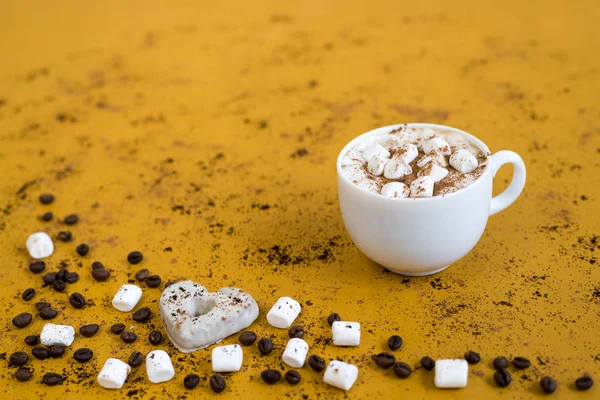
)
(97, 265)
(402, 370)
(333, 317)
(191, 381)
(153, 281)
(270, 376)
(472, 357)
(49, 278)
(117, 329)
(521, 362)
(142, 315)
(56, 351)
(59, 285)
(142, 274)
(77, 300)
(265, 346)
(37, 266)
(217, 383)
(316, 363)
(18, 358)
(500, 362)
(384, 360)
(296, 331)
(394, 342)
(584, 383)
(23, 374)
(40, 305)
(502, 378)
(65, 236)
(22, 320)
(71, 219)
(136, 359)
(28, 294)
(247, 338)
(72, 277)
(135, 257)
(89, 330)
(48, 313)
(52, 379)
(101, 274)
(293, 377)
(428, 363)
(83, 249)
(39, 352)
(83, 355)
(155, 337)
(548, 385)
(46, 198)
(32, 340)
(128, 337)
(47, 216)
(62, 274)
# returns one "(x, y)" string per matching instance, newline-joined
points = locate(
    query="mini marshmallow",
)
(407, 153)
(39, 245)
(374, 149)
(463, 161)
(451, 373)
(345, 333)
(127, 297)
(57, 334)
(395, 189)
(340, 374)
(113, 374)
(295, 353)
(159, 366)
(437, 143)
(284, 312)
(421, 187)
(227, 358)
(376, 165)
(395, 169)
(434, 171)
(434, 156)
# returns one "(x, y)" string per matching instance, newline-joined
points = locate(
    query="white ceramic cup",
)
(422, 236)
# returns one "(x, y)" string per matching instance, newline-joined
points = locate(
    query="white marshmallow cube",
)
(451, 373)
(421, 187)
(407, 153)
(395, 169)
(340, 374)
(159, 366)
(345, 333)
(39, 245)
(227, 358)
(127, 297)
(395, 189)
(434, 171)
(113, 374)
(463, 161)
(295, 353)
(437, 143)
(434, 156)
(57, 334)
(373, 149)
(283, 313)
(376, 165)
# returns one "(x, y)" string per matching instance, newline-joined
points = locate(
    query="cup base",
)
(424, 273)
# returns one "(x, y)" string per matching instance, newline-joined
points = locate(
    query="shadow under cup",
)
(415, 236)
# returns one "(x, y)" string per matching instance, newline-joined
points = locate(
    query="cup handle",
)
(515, 188)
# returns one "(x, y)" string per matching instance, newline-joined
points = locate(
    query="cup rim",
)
(477, 142)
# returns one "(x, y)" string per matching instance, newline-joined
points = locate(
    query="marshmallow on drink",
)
(113, 374)
(376, 165)
(421, 187)
(451, 373)
(295, 353)
(395, 189)
(407, 153)
(345, 333)
(227, 358)
(373, 149)
(434, 156)
(437, 143)
(39, 245)
(159, 366)
(57, 334)
(340, 374)
(127, 297)
(434, 171)
(283, 313)
(395, 169)
(463, 161)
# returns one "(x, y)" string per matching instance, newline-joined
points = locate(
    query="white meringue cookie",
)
(434, 156)
(437, 143)
(434, 171)
(395, 169)
(376, 165)
(421, 187)
(395, 189)
(463, 161)
(373, 149)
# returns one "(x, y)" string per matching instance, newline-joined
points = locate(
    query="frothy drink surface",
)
(414, 162)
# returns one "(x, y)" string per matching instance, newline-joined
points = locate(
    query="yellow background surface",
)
(213, 127)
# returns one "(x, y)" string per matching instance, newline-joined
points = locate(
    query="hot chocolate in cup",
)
(423, 235)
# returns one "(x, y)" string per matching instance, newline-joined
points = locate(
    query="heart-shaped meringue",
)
(195, 318)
